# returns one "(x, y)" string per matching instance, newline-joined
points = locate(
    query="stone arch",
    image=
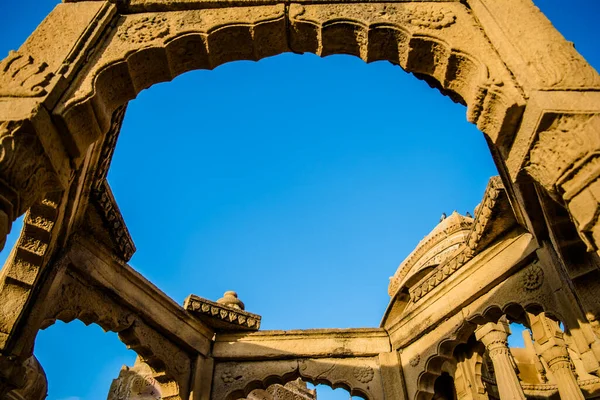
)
(445, 348)
(359, 376)
(72, 298)
(144, 49)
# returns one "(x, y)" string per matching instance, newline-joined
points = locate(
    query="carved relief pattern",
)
(23, 166)
(414, 361)
(569, 139)
(144, 29)
(229, 315)
(237, 379)
(75, 299)
(114, 220)
(134, 382)
(30, 255)
(560, 65)
(422, 16)
(21, 76)
(228, 376)
(364, 374)
(36, 384)
(533, 277)
(431, 17)
(162, 355)
(422, 249)
(467, 251)
(108, 147)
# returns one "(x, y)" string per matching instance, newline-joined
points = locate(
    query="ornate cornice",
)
(437, 236)
(102, 196)
(467, 251)
(221, 317)
(113, 221)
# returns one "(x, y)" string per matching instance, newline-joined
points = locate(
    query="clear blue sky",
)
(297, 181)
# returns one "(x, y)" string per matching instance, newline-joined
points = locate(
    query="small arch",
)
(71, 365)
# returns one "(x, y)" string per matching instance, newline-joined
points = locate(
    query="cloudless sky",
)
(299, 182)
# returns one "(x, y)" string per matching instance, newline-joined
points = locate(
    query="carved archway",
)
(359, 376)
(436, 42)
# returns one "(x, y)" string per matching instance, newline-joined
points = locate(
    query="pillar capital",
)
(495, 338)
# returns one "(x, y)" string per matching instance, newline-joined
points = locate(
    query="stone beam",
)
(151, 304)
(137, 6)
(313, 343)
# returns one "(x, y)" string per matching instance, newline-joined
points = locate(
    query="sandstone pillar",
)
(495, 339)
(558, 141)
(550, 345)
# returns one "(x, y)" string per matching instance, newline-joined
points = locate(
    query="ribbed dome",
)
(434, 249)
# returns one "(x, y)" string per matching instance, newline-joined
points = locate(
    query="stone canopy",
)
(528, 255)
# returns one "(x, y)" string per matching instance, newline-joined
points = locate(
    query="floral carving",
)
(431, 17)
(190, 20)
(364, 374)
(22, 76)
(229, 377)
(415, 360)
(144, 29)
(533, 277)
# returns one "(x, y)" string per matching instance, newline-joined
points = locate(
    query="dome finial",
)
(230, 299)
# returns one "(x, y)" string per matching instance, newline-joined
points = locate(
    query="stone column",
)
(550, 345)
(495, 339)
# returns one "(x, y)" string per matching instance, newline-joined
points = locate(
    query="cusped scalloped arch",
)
(145, 49)
(359, 376)
(446, 347)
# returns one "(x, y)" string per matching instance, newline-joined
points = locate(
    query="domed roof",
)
(434, 249)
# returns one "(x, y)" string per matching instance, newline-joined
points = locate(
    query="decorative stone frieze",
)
(483, 217)
(222, 315)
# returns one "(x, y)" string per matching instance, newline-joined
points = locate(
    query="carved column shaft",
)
(495, 339)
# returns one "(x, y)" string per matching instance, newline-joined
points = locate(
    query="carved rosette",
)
(414, 361)
(533, 277)
(364, 373)
(565, 160)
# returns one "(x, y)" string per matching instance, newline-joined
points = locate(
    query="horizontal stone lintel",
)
(137, 6)
(313, 343)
